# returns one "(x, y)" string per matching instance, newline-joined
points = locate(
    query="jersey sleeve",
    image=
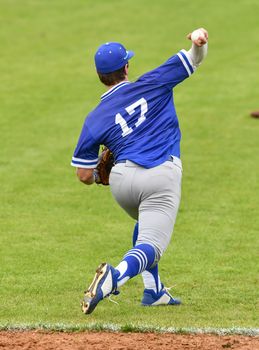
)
(86, 152)
(176, 69)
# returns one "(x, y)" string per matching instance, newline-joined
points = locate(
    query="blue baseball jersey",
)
(137, 120)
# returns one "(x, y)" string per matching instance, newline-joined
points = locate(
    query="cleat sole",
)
(91, 291)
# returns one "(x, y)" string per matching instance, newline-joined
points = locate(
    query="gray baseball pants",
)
(151, 196)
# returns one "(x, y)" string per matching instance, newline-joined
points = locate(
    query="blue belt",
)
(170, 159)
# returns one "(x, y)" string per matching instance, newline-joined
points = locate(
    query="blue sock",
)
(135, 234)
(150, 277)
(135, 261)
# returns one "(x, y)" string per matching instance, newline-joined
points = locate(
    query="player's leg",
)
(157, 215)
(154, 293)
(141, 257)
(151, 278)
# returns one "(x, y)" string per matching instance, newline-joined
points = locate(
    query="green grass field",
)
(55, 231)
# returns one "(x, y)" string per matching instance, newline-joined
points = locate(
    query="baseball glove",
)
(104, 167)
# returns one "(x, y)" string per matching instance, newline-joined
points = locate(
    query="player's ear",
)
(126, 68)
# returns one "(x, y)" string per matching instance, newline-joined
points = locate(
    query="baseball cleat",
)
(150, 298)
(104, 284)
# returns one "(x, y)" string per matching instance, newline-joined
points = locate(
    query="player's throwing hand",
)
(199, 37)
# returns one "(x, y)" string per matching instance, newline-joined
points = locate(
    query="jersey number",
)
(142, 103)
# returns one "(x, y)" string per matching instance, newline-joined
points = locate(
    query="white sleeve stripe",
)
(84, 160)
(187, 59)
(184, 63)
(83, 166)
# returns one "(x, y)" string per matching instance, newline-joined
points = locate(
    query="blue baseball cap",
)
(111, 56)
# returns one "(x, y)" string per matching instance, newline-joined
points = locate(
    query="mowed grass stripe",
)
(60, 327)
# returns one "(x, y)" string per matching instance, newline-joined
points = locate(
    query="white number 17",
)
(130, 110)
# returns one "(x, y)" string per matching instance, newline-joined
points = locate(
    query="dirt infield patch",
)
(119, 341)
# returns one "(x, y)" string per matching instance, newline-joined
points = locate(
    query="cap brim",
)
(130, 54)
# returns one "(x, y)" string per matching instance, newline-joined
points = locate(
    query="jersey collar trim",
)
(114, 88)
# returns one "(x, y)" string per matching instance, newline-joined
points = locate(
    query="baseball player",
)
(137, 121)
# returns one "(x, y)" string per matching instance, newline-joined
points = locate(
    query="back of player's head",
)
(113, 78)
